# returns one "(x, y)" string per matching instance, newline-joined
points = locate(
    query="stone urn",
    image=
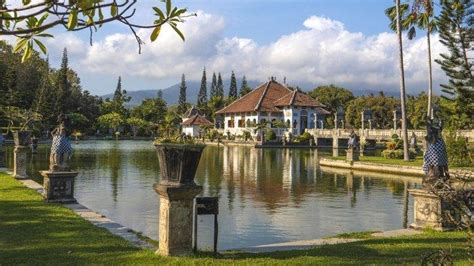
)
(177, 190)
(178, 162)
(22, 137)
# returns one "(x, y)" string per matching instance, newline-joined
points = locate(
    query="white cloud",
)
(322, 52)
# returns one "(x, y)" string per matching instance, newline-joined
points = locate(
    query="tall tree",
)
(159, 94)
(182, 96)
(118, 90)
(418, 15)
(233, 86)
(220, 86)
(456, 24)
(62, 86)
(202, 96)
(213, 86)
(402, 83)
(244, 87)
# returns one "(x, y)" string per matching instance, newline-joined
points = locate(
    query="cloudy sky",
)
(310, 42)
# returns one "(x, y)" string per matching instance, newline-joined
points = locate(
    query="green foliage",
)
(29, 25)
(382, 108)
(270, 134)
(457, 149)
(136, 124)
(244, 87)
(246, 135)
(182, 106)
(220, 86)
(17, 118)
(397, 154)
(78, 121)
(332, 97)
(455, 31)
(111, 120)
(214, 92)
(202, 95)
(233, 87)
(305, 137)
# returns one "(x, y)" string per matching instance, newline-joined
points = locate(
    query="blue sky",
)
(344, 42)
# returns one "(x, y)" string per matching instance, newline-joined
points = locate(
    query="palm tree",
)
(420, 16)
(402, 82)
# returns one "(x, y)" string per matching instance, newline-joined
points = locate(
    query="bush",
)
(398, 154)
(305, 137)
(269, 134)
(457, 149)
(246, 135)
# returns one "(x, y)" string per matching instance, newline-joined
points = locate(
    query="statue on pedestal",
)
(353, 142)
(435, 161)
(61, 149)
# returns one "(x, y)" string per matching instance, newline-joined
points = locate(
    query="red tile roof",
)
(197, 120)
(268, 97)
(298, 98)
(260, 99)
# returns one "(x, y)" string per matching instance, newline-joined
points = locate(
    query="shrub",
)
(457, 149)
(398, 154)
(246, 135)
(305, 137)
(269, 134)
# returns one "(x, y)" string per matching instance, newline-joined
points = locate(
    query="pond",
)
(265, 195)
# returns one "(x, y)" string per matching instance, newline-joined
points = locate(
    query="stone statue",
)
(435, 161)
(413, 141)
(61, 149)
(353, 140)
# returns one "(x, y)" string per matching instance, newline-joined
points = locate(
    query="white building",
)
(271, 102)
(192, 126)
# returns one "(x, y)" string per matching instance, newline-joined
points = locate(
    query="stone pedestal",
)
(58, 186)
(428, 211)
(335, 147)
(19, 162)
(352, 155)
(176, 219)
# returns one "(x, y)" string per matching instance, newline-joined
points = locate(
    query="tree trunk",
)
(402, 85)
(430, 82)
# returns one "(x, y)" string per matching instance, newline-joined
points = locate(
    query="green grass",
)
(357, 235)
(418, 162)
(33, 232)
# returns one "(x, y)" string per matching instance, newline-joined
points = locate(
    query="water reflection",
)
(265, 196)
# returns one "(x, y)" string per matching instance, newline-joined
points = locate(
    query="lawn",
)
(33, 232)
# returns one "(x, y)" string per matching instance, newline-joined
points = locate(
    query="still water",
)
(265, 196)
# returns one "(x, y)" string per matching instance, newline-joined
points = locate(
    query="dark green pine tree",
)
(220, 86)
(202, 96)
(213, 86)
(244, 88)
(118, 90)
(233, 87)
(119, 100)
(159, 94)
(455, 24)
(62, 87)
(182, 96)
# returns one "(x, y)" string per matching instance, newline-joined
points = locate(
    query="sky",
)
(310, 42)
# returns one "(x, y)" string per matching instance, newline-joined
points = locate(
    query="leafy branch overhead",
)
(28, 21)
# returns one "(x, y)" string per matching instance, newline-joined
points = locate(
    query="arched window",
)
(288, 123)
(273, 123)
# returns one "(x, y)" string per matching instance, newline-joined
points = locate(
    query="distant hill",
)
(171, 94)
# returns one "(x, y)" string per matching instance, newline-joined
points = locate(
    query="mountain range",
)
(171, 94)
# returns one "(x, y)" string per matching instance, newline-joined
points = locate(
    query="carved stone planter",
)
(58, 186)
(177, 189)
(430, 211)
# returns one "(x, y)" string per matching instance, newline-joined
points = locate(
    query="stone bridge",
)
(378, 134)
